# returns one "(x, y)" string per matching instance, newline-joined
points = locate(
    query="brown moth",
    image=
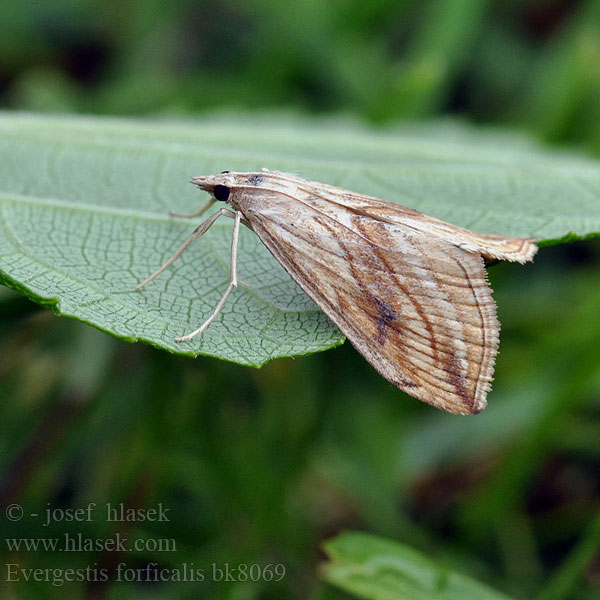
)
(408, 290)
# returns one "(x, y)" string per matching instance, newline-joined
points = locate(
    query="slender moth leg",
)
(196, 214)
(233, 281)
(200, 230)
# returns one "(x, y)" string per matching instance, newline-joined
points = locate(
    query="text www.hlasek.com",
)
(79, 543)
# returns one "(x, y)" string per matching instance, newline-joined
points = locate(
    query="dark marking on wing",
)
(385, 315)
(456, 379)
(255, 180)
(411, 298)
(406, 383)
(399, 342)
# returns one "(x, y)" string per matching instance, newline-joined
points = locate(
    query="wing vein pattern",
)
(416, 305)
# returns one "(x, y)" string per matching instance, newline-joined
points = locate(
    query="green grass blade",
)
(377, 569)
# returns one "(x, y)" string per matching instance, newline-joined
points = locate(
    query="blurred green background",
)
(261, 466)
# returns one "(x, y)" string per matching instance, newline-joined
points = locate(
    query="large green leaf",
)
(379, 569)
(85, 206)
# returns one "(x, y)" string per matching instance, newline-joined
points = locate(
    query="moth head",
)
(219, 186)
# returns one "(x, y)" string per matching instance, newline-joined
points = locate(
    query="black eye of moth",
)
(221, 192)
(225, 172)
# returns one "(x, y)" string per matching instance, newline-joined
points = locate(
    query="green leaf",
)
(85, 201)
(379, 569)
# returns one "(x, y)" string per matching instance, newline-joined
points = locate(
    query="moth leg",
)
(195, 214)
(233, 280)
(200, 230)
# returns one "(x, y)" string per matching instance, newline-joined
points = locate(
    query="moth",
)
(408, 290)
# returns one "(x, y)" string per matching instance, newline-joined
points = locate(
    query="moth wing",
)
(492, 247)
(418, 307)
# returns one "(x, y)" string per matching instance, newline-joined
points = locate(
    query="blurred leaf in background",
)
(260, 466)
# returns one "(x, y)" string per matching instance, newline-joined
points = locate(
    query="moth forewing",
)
(408, 290)
(328, 199)
(418, 308)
